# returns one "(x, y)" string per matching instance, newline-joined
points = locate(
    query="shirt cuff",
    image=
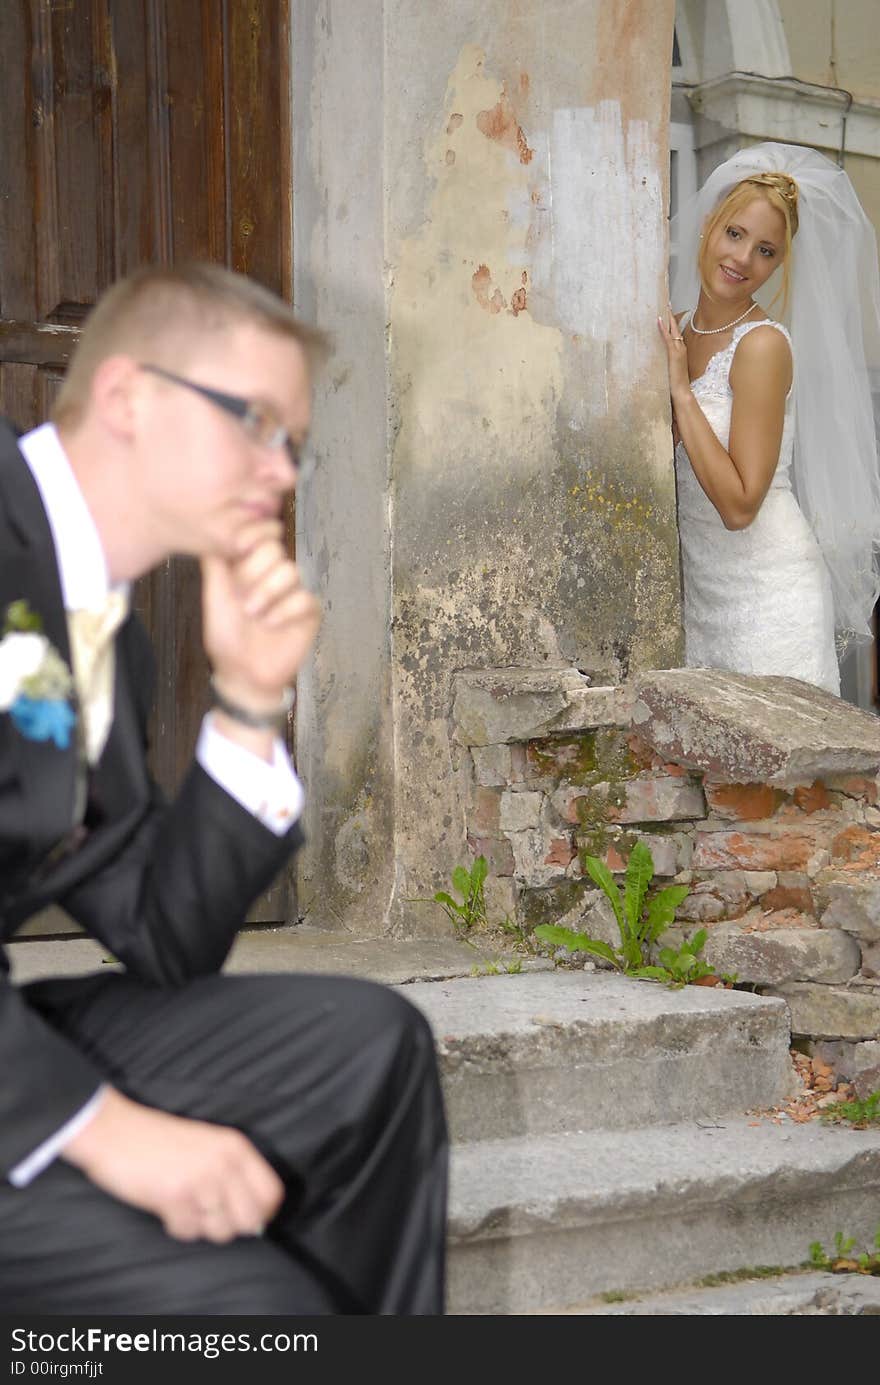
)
(25, 1172)
(270, 791)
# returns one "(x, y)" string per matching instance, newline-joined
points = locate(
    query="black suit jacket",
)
(163, 886)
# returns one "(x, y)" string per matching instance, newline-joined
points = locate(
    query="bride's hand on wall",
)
(676, 355)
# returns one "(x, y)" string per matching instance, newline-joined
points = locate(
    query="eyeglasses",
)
(259, 423)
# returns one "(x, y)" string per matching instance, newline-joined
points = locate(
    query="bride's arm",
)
(736, 481)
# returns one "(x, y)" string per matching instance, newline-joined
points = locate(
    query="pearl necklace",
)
(713, 331)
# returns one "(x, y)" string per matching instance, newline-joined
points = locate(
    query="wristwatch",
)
(272, 720)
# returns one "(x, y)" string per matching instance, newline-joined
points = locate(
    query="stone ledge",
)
(500, 705)
(831, 1012)
(741, 729)
(849, 902)
(782, 955)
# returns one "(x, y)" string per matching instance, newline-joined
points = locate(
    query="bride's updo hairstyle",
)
(781, 191)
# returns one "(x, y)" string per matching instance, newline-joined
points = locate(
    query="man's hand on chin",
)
(259, 625)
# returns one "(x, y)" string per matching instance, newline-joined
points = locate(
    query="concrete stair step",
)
(809, 1294)
(574, 1050)
(544, 1221)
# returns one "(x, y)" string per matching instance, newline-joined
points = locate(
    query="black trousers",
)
(333, 1079)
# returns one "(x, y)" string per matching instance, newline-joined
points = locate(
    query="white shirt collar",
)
(82, 566)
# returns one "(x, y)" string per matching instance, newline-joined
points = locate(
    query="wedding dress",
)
(756, 600)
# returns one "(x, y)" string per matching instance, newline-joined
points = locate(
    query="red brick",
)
(677, 771)
(484, 816)
(658, 798)
(613, 860)
(857, 846)
(642, 754)
(777, 919)
(561, 852)
(743, 802)
(498, 854)
(812, 799)
(856, 786)
(737, 850)
(786, 897)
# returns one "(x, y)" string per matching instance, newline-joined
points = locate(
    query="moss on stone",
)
(597, 842)
(578, 753)
(549, 903)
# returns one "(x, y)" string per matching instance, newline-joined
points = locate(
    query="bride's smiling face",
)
(744, 250)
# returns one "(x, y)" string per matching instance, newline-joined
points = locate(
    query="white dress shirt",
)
(270, 791)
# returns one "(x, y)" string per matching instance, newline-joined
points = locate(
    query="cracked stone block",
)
(520, 811)
(501, 896)
(702, 907)
(848, 1060)
(855, 786)
(497, 851)
(758, 882)
(742, 729)
(492, 764)
(566, 800)
(484, 817)
(871, 959)
(850, 902)
(774, 957)
(724, 895)
(831, 1012)
(666, 853)
(530, 850)
(496, 706)
(661, 799)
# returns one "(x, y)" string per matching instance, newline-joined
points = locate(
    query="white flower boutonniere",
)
(35, 682)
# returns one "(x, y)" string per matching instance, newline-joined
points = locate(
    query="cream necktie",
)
(91, 647)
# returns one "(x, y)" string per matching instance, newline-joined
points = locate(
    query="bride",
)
(776, 453)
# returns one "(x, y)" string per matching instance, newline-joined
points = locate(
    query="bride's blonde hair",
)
(781, 191)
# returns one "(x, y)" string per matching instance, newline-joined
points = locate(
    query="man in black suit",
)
(173, 1140)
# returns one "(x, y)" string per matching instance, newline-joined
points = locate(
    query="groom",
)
(175, 1141)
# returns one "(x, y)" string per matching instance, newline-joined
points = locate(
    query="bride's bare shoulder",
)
(765, 349)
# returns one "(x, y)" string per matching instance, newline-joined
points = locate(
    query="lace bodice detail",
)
(715, 397)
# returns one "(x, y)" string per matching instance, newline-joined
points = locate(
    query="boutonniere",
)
(35, 682)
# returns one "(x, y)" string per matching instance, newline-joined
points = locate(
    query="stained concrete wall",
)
(835, 42)
(480, 219)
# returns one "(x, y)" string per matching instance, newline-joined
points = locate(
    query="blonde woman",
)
(776, 453)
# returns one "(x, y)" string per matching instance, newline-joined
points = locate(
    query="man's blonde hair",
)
(158, 311)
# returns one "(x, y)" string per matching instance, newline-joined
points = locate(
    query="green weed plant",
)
(844, 1261)
(859, 1114)
(642, 918)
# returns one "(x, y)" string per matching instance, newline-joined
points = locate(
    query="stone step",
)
(574, 1050)
(808, 1294)
(541, 1222)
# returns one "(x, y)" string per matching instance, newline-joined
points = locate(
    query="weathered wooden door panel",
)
(137, 131)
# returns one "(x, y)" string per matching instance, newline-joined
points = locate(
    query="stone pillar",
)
(479, 211)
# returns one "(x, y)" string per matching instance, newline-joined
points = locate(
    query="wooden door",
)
(131, 132)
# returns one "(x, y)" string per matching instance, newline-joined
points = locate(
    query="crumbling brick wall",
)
(760, 794)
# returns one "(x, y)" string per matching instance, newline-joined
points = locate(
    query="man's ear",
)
(114, 393)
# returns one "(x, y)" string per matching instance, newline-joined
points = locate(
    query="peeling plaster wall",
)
(480, 219)
(533, 495)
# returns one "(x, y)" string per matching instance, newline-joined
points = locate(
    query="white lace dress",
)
(756, 600)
